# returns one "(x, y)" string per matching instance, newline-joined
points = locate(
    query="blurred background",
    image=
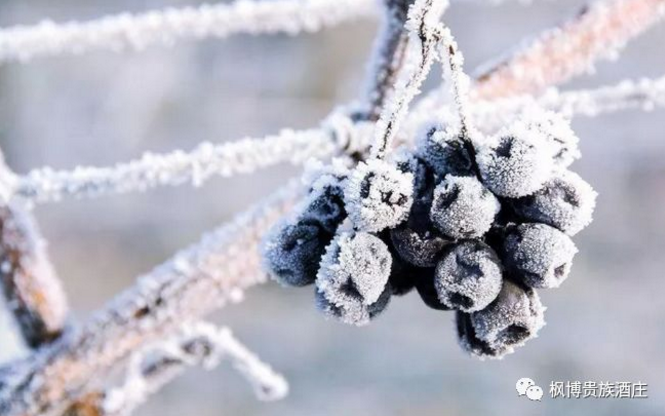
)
(604, 324)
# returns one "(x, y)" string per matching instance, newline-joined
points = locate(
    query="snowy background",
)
(604, 324)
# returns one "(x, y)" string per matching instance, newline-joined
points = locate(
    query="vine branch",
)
(32, 290)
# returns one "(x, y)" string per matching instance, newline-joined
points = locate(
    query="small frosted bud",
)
(292, 252)
(378, 196)
(463, 207)
(469, 277)
(565, 202)
(514, 317)
(538, 254)
(355, 267)
(517, 163)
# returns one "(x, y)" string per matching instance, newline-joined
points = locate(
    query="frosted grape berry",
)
(402, 277)
(446, 153)
(467, 339)
(562, 140)
(326, 207)
(378, 196)
(463, 207)
(353, 312)
(355, 268)
(468, 277)
(293, 254)
(514, 317)
(418, 242)
(540, 255)
(517, 163)
(565, 202)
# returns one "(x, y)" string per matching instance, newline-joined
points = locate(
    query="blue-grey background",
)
(604, 324)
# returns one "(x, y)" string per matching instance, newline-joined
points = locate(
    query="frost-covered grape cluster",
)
(474, 224)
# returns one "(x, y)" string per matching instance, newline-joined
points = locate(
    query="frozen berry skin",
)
(468, 277)
(378, 196)
(540, 255)
(293, 251)
(517, 163)
(463, 207)
(427, 290)
(563, 141)
(354, 313)
(565, 202)
(514, 317)
(467, 339)
(446, 153)
(355, 268)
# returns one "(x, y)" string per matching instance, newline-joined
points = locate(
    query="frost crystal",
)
(517, 163)
(378, 196)
(514, 317)
(539, 255)
(463, 207)
(354, 270)
(468, 278)
(565, 202)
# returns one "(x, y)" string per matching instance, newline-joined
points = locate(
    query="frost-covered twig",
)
(198, 344)
(597, 32)
(195, 167)
(33, 292)
(644, 94)
(408, 73)
(136, 32)
(193, 283)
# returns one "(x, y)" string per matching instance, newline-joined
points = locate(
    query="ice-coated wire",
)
(165, 27)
